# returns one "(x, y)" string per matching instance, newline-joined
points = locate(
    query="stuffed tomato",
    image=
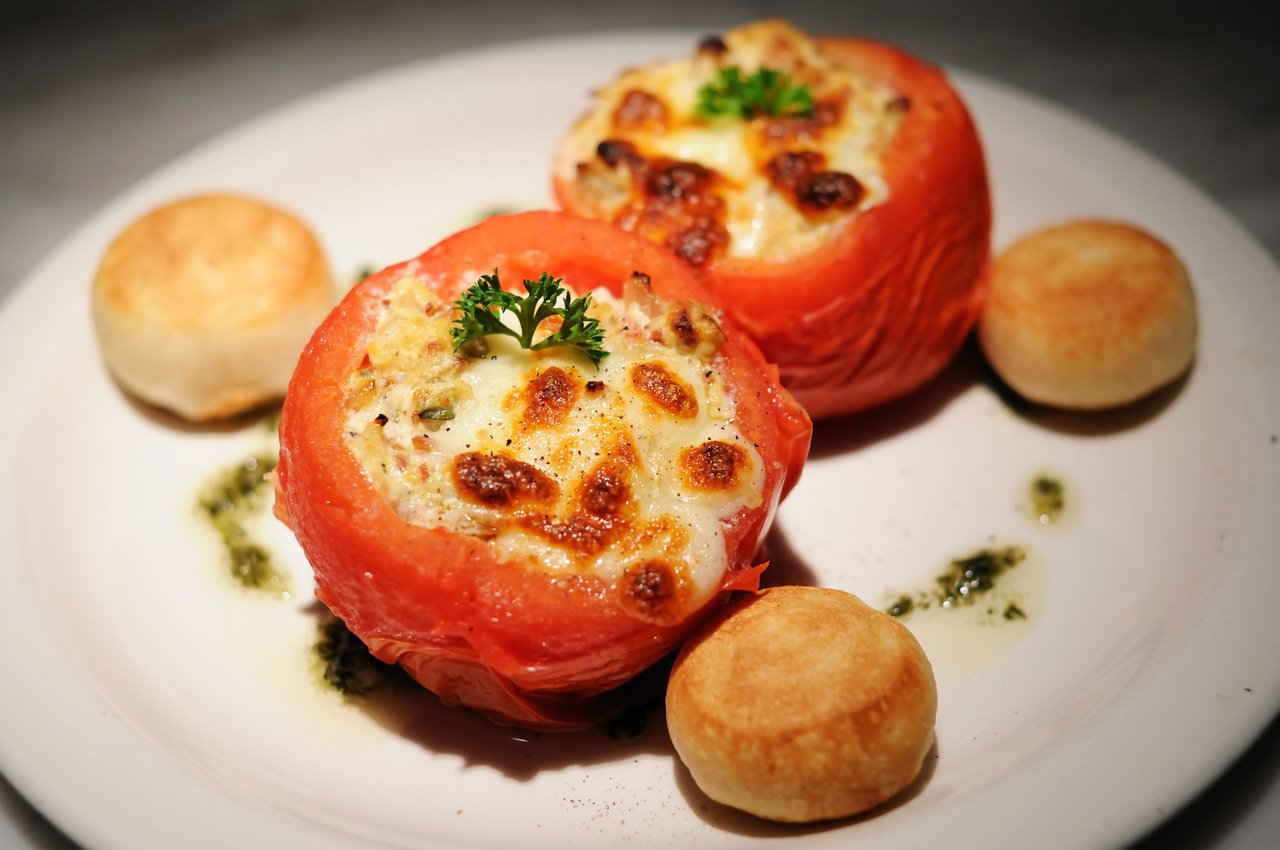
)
(527, 495)
(832, 193)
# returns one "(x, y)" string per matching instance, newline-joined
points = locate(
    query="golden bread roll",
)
(1089, 315)
(802, 704)
(202, 306)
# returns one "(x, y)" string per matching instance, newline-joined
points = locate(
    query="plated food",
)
(314, 755)
(801, 704)
(526, 500)
(832, 193)
(1089, 315)
(202, 305)
(528, 463)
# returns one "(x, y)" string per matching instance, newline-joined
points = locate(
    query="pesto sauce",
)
(1013, 611)
(1048, 498)
(967, 578)
(228, 500)
(345, 663)
(901, 607)
(965, 581)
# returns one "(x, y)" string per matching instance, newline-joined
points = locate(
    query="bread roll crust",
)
(202, 305)
(802, 704)
(1089, 314)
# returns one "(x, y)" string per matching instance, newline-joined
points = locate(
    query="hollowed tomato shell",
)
(885, 304)
(513, 642)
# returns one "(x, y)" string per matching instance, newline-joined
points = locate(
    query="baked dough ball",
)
(802, 704)
(1089, 315)
(202, 306)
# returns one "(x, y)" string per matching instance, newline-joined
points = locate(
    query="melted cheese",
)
(626, 472)
(761, 221)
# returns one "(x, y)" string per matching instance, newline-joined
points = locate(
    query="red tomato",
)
(509, 640)
(884, 305)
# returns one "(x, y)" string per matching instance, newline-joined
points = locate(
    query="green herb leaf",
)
(480, 309)
(436, 413)
(766, 92)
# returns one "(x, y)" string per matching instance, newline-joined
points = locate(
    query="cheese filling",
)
(626, 472)
(777, 187)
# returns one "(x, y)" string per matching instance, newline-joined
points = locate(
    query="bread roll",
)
(802, 704)
(202, 306)
(1089, 315)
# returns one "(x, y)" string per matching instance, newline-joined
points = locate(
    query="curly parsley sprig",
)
(766, 92)
(481, 307)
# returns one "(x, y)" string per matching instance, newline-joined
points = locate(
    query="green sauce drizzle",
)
(345, 662)
(1048, 498)
(227, 501)
(963, 582)
(967, 578)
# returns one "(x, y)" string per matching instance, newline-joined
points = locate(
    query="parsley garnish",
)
(480, 309)
(766, 92)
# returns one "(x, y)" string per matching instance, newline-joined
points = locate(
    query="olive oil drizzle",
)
(1048, 499)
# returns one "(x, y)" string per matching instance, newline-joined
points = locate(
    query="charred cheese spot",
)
(640, 110)
(603, 509)
(651, 591)
(802, 175)
(682, 326)
(663, 389)
(700, 238)
(705, 187)
(786, 170)
(605, 493)
(789, 131)
(606, 490)
(580, 532)
(500, 481)
(691, 327)
(712, 45)
(680, 206)
(713, 465)
(614, 152)
(549, 397)
(828, 190)
(553, 472)
(668, 181)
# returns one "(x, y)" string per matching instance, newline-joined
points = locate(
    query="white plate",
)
(149, 704)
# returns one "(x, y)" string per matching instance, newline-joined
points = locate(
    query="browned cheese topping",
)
(625, 472)
(765, 185)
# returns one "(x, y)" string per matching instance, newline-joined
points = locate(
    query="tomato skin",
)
(885, 304)
(511, 642)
